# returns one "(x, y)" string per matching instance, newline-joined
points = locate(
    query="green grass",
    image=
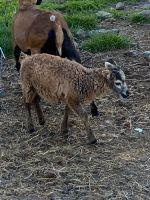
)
(73, 6)
(137, 18)
(105, 42)
(7, 10)
(86, 21)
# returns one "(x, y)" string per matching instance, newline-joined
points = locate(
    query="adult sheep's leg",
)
(17, 55)
(94, 110)
(77, 108)
(38, 110)
(64, 124)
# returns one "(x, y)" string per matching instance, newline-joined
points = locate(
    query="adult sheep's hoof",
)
(94, 141)
(94, 112)
(42, 122)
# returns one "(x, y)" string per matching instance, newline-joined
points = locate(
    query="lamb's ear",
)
(106, 74)
(109, 66)
(110, 60)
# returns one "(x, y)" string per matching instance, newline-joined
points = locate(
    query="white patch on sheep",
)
(52, 18)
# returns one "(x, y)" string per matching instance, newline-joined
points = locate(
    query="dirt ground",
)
(43, 166)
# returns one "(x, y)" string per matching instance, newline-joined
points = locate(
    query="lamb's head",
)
(116, 80)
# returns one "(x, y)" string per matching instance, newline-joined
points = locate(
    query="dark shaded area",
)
(38, 2)
(69, 50)
(50, 46)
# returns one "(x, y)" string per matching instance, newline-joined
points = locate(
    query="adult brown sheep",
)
(39, 31)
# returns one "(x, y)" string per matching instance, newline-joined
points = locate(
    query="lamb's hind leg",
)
(29, 117)
(29, 96)
(17, 55)
(64, 124)
(77, 108)
(38, 110)
(94, 110)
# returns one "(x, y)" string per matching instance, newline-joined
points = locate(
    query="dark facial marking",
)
(117, 74)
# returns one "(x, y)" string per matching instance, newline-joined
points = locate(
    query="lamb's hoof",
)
(94, 112)
(65, 133)
(31, 130)
(94, 141)
(42, 122)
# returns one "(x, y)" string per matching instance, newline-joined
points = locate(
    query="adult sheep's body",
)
(56, 79)
(40, 31)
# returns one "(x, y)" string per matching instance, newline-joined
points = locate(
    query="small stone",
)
(120, 6)
(146, 6)
(2, 93)
(147, 55)
(103, 14)
(145, 13)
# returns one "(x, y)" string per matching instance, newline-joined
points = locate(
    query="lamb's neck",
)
(101, 85)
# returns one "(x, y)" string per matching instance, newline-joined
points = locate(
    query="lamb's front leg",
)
(64, 124)
(77, 108)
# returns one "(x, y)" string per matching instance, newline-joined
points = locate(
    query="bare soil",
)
(44, 166)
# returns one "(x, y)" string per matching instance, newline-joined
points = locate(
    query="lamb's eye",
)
(118, 83)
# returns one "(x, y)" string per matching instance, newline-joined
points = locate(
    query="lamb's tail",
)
(58, 34)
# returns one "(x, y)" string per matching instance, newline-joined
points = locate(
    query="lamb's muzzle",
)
(57, 79)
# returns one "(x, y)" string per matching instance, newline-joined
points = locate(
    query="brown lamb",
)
(61, 80)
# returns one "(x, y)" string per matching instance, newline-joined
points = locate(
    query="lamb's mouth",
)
(124, 96)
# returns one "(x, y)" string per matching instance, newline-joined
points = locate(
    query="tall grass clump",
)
(137, 18)
(105, 42)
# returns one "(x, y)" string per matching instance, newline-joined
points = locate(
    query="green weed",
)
(105, 42)
(80, 20)
(137, 18)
